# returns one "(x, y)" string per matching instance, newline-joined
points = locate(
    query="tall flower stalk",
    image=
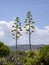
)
(29, 26)
(16, 30)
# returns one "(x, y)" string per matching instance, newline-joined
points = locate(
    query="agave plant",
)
(29, 26)
(16, 30)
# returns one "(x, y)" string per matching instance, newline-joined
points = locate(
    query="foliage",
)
(31, 54)
(36, 60)
(29, 61)
(32, 58)
(40, 57)
(1, 44)
(4, 50)
(7, 57)
(44, 54)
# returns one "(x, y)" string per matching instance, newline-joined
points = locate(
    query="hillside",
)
(26, 47)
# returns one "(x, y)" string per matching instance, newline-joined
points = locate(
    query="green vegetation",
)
(4, 50)
(30, 57)
(40, 57)
(44, 54)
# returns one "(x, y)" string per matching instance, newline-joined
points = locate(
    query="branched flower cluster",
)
(29, 28)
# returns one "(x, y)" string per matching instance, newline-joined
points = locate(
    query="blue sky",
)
(10, 9)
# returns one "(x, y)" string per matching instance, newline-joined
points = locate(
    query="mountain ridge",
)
(26, 47)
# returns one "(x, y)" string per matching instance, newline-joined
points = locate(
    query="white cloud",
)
(44, 31)
(40, 36)
(1, 34)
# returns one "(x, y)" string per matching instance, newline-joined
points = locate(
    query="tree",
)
(29, 26)
(4, 50)
(16, 30)
(1, 44)
(44, 54)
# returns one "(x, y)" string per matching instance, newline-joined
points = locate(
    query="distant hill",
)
(26, 47)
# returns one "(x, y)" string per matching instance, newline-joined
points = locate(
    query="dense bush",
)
(4, 50)
(44, 54)
(40, 57)
(1, 44)
(31, 53)
(28, 60)
(32, 58)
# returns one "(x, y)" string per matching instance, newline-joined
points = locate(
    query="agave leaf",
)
(32, 31)
(15, 30)
(17, 37)
(33, 22)
(19, 24)
(12, 30)
(27, 24)
(27, 29)
(17, 19)
(13, 38)
(24, 26)
(31, 15)
(13, 34)
(13, 26)
(18, 32)
(20, 29)
(26, 32)
(32, 27)
(28, 14)
(30, 18)
(25, 21)
(14, 22)
(16, 27)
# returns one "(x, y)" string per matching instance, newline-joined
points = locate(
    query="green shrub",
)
(31, 53)
(4, 50)
(44, 54)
